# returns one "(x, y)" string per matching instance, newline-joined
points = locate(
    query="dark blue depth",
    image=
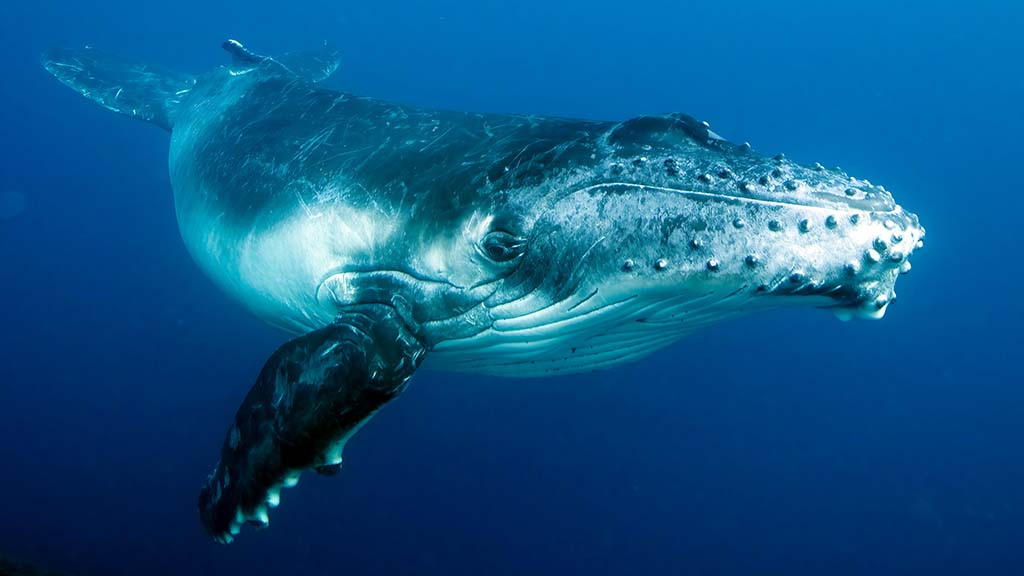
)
(785, 443)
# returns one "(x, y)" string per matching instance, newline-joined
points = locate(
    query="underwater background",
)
(782, 443)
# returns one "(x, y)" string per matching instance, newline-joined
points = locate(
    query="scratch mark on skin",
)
(305, 206)
(383, 146)
(343, 154)
(579, 263)
(435, 140)
(311, 145)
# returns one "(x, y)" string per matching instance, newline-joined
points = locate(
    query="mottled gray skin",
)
(495, 243)
(265, 164)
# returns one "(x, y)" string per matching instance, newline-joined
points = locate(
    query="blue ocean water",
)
(783, 443)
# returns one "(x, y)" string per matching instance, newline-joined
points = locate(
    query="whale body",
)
(385, 236)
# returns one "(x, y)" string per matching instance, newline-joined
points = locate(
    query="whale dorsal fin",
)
(136, 89)
(310, 65)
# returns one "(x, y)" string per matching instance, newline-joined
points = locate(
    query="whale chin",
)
(594, 332)
(863, 310)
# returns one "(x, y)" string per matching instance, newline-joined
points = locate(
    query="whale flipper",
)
(312, 394)
(139, 90)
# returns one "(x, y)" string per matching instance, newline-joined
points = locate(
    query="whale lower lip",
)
(866, 310)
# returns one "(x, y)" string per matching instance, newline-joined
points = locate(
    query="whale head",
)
(657, 227)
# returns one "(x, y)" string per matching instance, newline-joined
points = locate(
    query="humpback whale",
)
(385, 236)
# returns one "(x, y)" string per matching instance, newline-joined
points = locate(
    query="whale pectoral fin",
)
(312, 394)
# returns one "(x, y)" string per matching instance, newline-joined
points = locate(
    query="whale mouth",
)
(867, 262)
(866, 310)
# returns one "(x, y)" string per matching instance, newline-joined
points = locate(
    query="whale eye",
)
(500, 246)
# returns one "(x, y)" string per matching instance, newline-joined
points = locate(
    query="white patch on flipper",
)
(333, 455)
(261, 515)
